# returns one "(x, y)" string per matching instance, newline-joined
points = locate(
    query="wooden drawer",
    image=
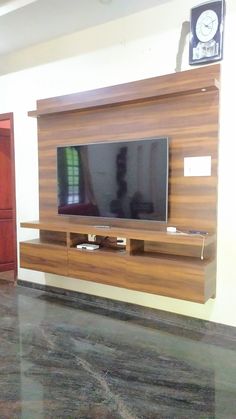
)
(98, 266)
(43, 257)
(183, 278)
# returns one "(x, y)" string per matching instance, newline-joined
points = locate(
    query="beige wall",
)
(136, 47)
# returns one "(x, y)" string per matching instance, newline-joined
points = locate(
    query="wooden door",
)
(7, 200)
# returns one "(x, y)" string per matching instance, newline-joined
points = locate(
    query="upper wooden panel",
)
(183, 83)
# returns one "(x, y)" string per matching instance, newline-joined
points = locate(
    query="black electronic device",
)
(206, 32)
(114, 179)
(199, 232)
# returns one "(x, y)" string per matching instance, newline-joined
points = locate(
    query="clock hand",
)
(209, 24)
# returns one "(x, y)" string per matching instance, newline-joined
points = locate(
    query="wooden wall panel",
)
(190, 122)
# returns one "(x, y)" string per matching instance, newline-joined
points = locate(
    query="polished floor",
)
(58, 361)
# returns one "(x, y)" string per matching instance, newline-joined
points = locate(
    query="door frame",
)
(3, 117)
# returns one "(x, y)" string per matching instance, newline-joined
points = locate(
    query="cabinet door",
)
(5, 171)
(6, 212)
(6, 245)
(43, 257)
(98, 266)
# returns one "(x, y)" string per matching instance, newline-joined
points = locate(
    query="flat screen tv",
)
(125, 179)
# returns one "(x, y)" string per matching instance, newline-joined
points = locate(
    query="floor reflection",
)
(58, 361)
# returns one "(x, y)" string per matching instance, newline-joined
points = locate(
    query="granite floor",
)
(59, 361)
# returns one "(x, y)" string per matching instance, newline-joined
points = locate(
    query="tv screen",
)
(125, 179)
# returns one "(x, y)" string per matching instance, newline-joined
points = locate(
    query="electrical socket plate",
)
(121, 241)
(197, 166)
(91, 237)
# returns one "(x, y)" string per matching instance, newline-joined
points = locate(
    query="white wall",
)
(136, 47)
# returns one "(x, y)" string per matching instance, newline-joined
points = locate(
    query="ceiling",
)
(24, 23)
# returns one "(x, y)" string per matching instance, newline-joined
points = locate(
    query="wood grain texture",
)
(6, 214)
(151, 237)
(51, 237)
(171, 85)
(7, 266)
(5, 170)
(190, 123)
(98, 266)
(8, 243)
(168, 276)
(204, 248)
(7, 222)
(43, 257)
(135, 246)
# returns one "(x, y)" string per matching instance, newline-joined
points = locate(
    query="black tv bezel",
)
(98, 219)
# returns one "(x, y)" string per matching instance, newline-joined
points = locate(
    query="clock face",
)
(207, 25)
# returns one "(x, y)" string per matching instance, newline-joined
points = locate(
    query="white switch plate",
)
(121, 241)
(197, 166)
(91, 237)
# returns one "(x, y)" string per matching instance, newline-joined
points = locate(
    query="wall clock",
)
(206, 32)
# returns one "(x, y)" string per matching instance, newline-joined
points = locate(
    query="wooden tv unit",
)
(182, 106)
(179, 274)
